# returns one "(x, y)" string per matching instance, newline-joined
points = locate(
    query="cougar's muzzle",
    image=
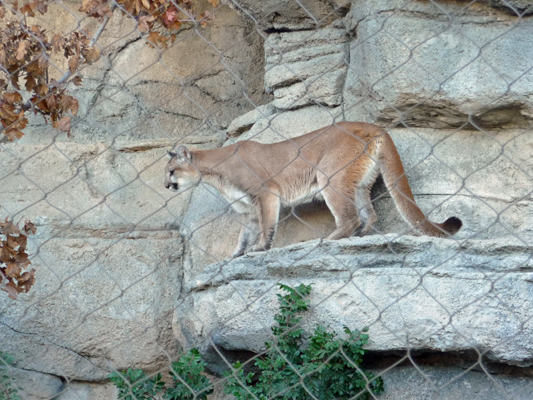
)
(171, 186)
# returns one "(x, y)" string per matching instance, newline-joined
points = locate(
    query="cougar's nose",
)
(167, 185)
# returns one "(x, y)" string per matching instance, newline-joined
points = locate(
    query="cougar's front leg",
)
(248, 234)
(267, 206)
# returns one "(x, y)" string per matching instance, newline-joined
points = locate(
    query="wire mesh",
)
(132, 275)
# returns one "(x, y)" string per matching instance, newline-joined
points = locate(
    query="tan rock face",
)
(418, 68)
(127, 271)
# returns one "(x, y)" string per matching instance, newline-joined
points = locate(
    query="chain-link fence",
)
(183, 293)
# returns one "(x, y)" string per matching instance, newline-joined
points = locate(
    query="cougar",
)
(338, 164)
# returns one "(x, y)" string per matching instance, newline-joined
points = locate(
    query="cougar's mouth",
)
(171, 186)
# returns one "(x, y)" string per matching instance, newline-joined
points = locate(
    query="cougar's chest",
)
(240, 201)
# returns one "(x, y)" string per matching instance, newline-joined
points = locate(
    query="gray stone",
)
(306, 68)
(292, 123)
(106, 255)
(324, 89)
(397, 75)
(246, 121)
(34, 385)
(88, 186)
(445, 383)
(513, 7)
(87, 391)
(418, 293)
(292, 15)
(92, 299)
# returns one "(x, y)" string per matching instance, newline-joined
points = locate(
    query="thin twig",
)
(96, 36)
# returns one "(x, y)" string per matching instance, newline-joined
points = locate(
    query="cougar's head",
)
(180, 171)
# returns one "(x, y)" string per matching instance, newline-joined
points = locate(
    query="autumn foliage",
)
(26, 51)
(15, 278)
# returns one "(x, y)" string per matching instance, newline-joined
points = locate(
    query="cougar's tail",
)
(398, 186)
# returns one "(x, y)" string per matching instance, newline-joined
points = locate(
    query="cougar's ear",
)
(170, 155)
(184, 154)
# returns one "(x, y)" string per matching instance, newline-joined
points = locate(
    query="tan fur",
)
(339, 163)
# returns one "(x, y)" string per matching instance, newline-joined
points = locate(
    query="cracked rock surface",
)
(417, 293)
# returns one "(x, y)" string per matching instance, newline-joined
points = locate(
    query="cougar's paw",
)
(237, 253)
(256, 248)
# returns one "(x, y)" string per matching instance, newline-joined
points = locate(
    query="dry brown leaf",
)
(27, 279)
(11, 290)
(28, 8)
(29, 227)
(76, 81)
(13, 97)
(43, 106)
(174, 25)
(42, 90)
(52, 102)
(12, 270)
(91, 54)
(153, 38)
(144, 23)
(13, 133)
(21, 50)
(30, 83)
(5, 254)
(73, 64)
(74, 106)
(12, 241)
(57, 42)
(63, 124)
(9, 228)
(15, 80)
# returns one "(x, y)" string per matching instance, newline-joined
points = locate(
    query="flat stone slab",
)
(416, 293)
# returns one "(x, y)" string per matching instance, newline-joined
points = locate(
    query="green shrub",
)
(188, 381)
(7, 391)
(133, 384)
(323, 368)
(294, 366)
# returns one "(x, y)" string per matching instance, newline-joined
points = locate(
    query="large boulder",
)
(416, 293)
(440, 66)
(306, 67)
(106, 255)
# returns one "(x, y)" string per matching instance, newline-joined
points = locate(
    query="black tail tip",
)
(452, 225)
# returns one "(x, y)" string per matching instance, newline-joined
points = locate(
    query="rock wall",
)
(129, 273)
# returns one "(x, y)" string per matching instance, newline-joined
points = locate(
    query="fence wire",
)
(132, 275)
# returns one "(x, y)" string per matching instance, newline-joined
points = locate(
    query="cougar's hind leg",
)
(341, 202)
(367, 214)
